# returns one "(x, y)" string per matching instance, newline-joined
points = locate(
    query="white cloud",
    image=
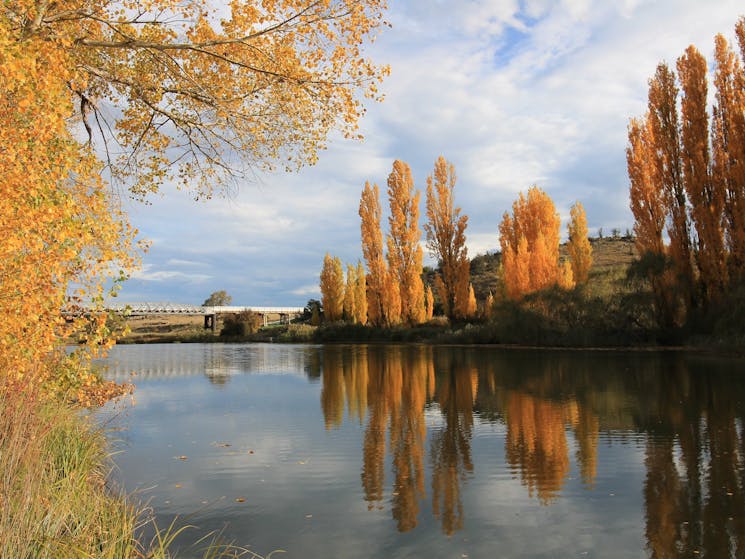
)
(145, 274)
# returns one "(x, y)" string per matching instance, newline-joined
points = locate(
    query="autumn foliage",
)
(688, 180)
(62, 234)
(332, 288)
(201, 93)
(404, 253)
(446, 240)
(578, 246)
(383, 297)
(530, 244)
(196, 84)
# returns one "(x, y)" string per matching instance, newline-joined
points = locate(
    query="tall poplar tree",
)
(332, 288)
(578, 246)
(706, 199)
(404, 252)
(728, 146)
(446, 239)
(648, 204)
(663, 117)
(378, 292)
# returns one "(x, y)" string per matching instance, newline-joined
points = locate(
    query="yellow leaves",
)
(404, 253)
(267, 82)
(446, 239)
(58, 227)
(578, 247)
(332, 288)
(530, 244)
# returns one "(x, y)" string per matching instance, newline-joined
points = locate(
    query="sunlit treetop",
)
(201, 92)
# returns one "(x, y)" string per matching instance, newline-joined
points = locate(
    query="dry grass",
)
(54, 499)
(165, 328)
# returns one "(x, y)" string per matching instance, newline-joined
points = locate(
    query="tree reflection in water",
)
(691, 422)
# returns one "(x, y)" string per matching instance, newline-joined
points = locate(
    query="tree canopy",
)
(198, 91)
(218, 299)
(147, 92)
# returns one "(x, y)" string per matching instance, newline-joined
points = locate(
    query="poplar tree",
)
(446, 239)
(647, 200)
(429, 300)
(378, 292)
(332, 288)
(578, 246)
(404, 252)
(360, 295)
(530, 244)
(663, 118)
(471, 306)
(645, 193)
(728, 145)
(706, 198)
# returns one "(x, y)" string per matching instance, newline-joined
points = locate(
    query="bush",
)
(241, 324)
(298, 333)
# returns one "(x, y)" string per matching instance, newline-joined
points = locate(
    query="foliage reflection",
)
(555, 408)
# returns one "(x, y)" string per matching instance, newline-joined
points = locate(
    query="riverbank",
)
(57, 499)
(533, 333)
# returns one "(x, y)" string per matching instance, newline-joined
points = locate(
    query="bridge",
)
(210, 314)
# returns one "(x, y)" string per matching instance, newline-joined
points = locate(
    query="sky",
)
(513, 93)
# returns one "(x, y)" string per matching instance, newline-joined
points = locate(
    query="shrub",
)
(241, 324)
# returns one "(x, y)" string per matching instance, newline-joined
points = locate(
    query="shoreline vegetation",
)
(610, 311)
(57, 497)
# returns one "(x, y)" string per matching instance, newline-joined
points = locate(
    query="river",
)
(394, 451)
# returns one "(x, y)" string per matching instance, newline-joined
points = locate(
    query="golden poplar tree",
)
(706, 199)
(404, 252)
(360, 295)
(530, 244)
(372, 251)
(728, 146)
(578, 246)
(429, 300)
(472, 307)
(645, 193)
(332, 288)
(350, 302)
(446, 239)
(647, 200)
(663, 118)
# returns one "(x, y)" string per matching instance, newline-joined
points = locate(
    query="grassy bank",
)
(53, 470)
(55, 498)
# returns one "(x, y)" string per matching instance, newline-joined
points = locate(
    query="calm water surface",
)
(410, 451)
